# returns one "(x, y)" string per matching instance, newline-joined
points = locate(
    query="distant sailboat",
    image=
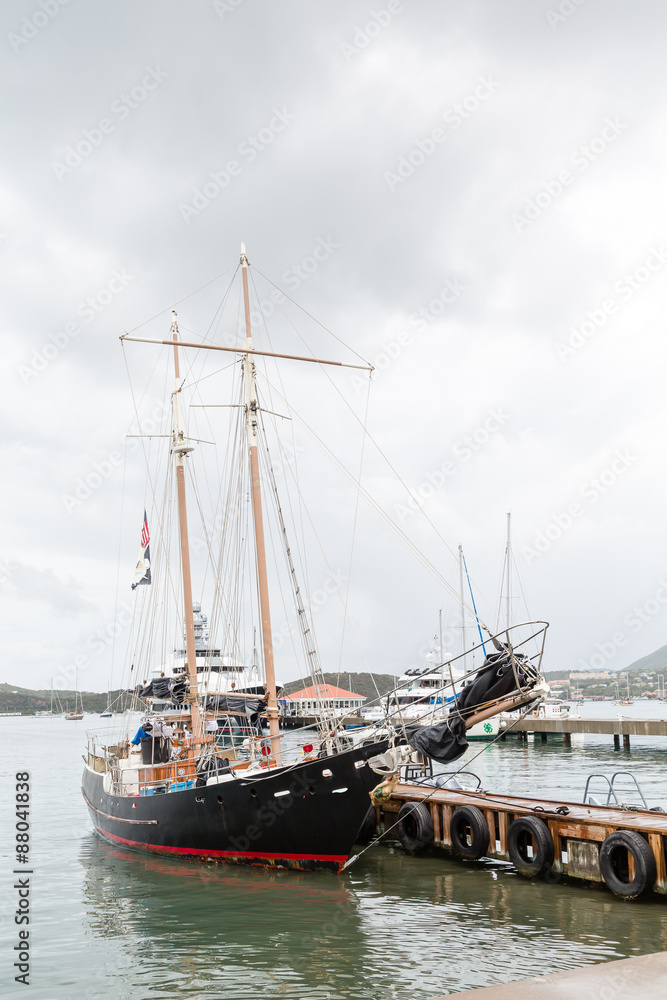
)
(628, 700)
(76, 715)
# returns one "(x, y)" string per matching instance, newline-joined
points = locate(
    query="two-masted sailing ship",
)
(202, 777)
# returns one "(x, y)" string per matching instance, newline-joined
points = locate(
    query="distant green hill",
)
(656, 661)
(17, 699)
(653, 661)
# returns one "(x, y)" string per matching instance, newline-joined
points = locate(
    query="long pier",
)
(620, 729)
(541, 838)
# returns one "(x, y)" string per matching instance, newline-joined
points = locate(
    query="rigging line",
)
(269, 525)
(355, 857)
(500, 592)
(190, 385)
(309, 654)
(143, 447)
(472, 598)
(217, 316)
(215, 321)
(264, 374)
(412, 547)
(518, 577)
(306, 627)
(120, 543)
(381, 452)
(354, 531)
(148, 382)
(314, 319)
(185, 297)
(304, 508)
(300, 549)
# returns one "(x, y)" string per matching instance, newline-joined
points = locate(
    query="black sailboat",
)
(201, 779)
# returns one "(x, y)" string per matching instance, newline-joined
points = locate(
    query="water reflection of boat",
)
(228, 925)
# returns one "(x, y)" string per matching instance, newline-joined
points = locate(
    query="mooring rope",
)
(355, 857)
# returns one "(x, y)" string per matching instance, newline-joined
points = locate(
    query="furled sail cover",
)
(446, 740)
(234, 703)
(165, 688)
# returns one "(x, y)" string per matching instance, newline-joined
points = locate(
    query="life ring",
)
(368, 827)
(415, 827)
(469, 832)
(614, 866)
(530, 832)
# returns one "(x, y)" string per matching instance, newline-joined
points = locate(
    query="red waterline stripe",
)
(223, 854)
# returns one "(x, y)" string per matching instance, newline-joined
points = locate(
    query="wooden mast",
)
(251, 429)
(181, 447)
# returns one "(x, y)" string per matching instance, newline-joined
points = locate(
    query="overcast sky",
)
(485, 184)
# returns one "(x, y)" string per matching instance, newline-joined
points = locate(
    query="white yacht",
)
(421, 695)
(219, 676)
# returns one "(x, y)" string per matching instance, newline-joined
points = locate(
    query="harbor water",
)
(117, 925)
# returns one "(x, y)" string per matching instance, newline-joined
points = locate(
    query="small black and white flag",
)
(142, 572)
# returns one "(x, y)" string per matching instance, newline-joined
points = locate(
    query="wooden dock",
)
(643, 977)
(620, 729)
(569, 835)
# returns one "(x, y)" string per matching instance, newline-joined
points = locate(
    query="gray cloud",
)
(218, 77)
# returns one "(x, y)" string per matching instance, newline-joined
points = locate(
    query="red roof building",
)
(312, 698)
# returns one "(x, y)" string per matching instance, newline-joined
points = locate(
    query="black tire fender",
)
(527, 830)
(415, 827)
(612, 864)
(368, 828)
(469, 822)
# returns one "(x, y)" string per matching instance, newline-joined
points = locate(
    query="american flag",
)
(142, 572)
(145, 537)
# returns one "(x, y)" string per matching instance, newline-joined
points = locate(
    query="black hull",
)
(296, 817)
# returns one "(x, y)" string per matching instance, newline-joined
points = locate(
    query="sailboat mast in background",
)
(508, 563)
(251, 430)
